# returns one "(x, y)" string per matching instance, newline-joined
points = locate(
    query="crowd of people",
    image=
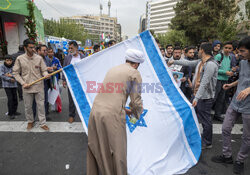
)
(210, 77)
(24, 67)
(214, 77)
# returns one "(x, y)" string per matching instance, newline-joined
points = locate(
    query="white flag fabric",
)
(166, 140)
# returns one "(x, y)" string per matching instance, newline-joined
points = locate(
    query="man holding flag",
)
(107, 145)
(28, 68)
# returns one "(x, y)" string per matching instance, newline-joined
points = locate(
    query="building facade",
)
(159, 14)
(97, 25)
(119, 32)
(142, 24)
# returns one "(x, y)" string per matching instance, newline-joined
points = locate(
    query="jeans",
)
(12, 100)
(20, 91)
(72, 108)
(203, 110)
(220, 96)
(228, 123)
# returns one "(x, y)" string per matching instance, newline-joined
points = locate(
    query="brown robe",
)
(107, 142)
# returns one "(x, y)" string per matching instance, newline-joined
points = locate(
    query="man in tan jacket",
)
(107, 142)
(28, 68)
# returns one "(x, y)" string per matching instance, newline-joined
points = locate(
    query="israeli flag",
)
(166, 140)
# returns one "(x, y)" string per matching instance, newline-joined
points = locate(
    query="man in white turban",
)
(135, 56)
(107, 142)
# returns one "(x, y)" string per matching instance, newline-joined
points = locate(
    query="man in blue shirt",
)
(54, 62)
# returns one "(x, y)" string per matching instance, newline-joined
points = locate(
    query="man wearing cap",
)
(107, 144)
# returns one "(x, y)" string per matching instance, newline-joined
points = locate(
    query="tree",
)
(172, 37)
(200, 18)
(30, 22)
(247, 6)
(227, 30)
(65, 28)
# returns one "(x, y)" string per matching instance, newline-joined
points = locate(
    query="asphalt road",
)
(54, 153)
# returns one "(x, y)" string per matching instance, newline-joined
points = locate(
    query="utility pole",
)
(109, 6)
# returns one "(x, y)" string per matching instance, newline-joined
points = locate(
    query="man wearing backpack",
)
(204, 82)
(224, 73)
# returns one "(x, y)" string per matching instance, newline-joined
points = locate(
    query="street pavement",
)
(62, 151)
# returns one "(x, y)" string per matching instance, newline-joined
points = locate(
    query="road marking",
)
(20, 126)
(217, 129)
(76, 127)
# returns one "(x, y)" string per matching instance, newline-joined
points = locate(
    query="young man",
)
(27, 69)
(169, 49)
(204, 83)
(10, 85)
(240, 106)
(42, 51)
(73, 57)
(54, 62)
(163, 52)
(107, 146)
(224, 73)
(185, 87)
(56, 65)
(176, 56)
(216, 47)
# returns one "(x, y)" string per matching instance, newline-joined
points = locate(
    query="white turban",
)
(135, 56)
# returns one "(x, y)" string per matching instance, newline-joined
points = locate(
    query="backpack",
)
(222, 57)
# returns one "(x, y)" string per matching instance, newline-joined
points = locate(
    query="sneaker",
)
(206, 146)
(17, 113)
(12, 117)
(45, 127)
(222, 159)
(220, 119)
(238, 167)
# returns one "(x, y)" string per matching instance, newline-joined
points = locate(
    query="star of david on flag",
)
(141, 122)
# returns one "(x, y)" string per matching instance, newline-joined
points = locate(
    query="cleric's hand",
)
(128, 111)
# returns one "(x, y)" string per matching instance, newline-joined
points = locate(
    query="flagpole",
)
(53, 73)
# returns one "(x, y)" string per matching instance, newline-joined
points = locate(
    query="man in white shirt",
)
(73, 57)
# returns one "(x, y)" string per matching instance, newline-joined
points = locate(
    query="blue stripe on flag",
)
(78, 92)
(190, 128)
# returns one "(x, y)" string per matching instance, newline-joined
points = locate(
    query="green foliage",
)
(30, 22)
(248, 9)
(172, 37)
(65, 28)
(200, 18)
(226, 30)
